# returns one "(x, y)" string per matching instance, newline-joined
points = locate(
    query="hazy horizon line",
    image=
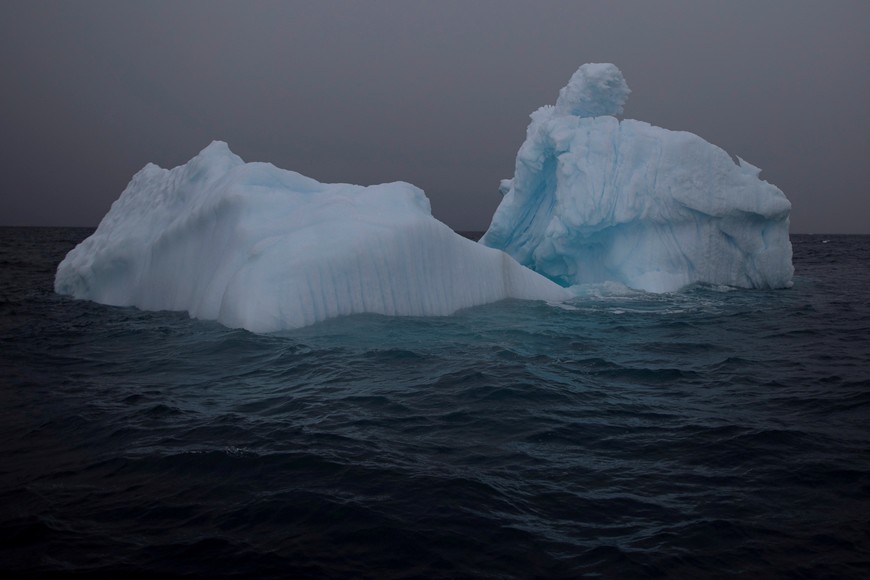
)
(455, 229)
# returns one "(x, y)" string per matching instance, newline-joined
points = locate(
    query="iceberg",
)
(595, 199)
(265, 249)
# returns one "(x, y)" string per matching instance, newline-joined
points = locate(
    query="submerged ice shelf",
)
(257, 247)
(594, 199)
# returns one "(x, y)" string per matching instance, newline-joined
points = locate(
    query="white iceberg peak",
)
(595, 89)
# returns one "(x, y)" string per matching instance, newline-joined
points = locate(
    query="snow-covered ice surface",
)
(257, 247)
(595, 200)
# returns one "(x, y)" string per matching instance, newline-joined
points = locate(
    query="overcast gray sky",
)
(434, 93)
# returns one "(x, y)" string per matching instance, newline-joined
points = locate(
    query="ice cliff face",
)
(595, 199)
(257, 247)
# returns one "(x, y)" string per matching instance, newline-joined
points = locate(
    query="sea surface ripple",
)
(706, 433)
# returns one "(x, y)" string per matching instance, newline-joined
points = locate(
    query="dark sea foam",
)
(707, 433)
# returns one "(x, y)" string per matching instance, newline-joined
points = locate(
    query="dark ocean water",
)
(707, 433)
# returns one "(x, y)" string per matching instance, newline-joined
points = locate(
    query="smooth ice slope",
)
(254, 246)
(594, 199)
